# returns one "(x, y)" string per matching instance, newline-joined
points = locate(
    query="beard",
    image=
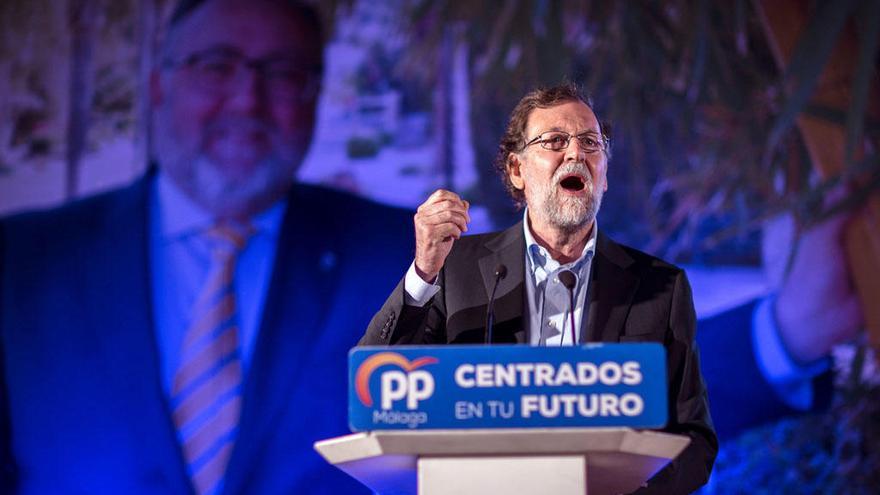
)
(227, 178)
(566, 212)
(228, 196)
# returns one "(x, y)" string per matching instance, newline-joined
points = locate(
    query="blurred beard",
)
(225, 188)
(565, 212)
(227, 196)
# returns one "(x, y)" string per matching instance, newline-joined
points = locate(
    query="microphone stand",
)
(500, 273)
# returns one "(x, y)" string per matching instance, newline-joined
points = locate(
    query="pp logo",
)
(411, 384)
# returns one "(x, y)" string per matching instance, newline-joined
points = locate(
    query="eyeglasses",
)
(219, 70)
(589, 141)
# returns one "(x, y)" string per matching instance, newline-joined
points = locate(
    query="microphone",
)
(500, 273)
(569, 281)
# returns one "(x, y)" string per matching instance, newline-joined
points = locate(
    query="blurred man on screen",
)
(188, 333)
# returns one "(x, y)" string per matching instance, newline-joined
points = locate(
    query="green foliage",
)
(35, 46)
(702, 117)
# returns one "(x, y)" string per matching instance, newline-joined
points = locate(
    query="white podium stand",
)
(561, 461)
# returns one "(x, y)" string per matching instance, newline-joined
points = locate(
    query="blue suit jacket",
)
(82, 409)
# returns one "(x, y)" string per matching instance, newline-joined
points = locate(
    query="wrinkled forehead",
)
(573, 117)
(256, 28)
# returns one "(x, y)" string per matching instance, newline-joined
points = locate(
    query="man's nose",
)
(248, 91)
(575, 150)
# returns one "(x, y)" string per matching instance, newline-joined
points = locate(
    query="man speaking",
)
(554, 279)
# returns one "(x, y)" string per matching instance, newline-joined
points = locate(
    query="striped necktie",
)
(207, 387)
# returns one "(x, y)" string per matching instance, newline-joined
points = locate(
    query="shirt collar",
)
(540, 259)
(179, 216)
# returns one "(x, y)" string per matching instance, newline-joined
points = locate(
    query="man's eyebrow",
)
(217, 49)
(284, 53)
(551, 129)
(559, 129)
(275, 55)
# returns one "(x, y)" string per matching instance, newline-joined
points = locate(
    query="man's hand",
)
(440, 220)
(817, 306)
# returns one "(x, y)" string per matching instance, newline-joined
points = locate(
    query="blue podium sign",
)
(507, 386)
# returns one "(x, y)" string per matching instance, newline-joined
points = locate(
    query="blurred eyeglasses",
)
(589, 141)
(220, 70)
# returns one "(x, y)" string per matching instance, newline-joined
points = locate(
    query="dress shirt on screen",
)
(179, 264)
(792, 382)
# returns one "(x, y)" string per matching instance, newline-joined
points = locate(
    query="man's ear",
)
(514, 172)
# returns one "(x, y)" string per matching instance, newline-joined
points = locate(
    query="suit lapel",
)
(122, 326)
(507, 249)
(296, 305)
(611, 291)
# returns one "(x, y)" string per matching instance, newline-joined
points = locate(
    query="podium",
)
(527, 461)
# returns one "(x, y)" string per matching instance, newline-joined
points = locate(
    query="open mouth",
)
(573, 183)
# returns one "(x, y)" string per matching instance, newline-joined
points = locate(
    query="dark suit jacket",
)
(82, 408)
(633, 297)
